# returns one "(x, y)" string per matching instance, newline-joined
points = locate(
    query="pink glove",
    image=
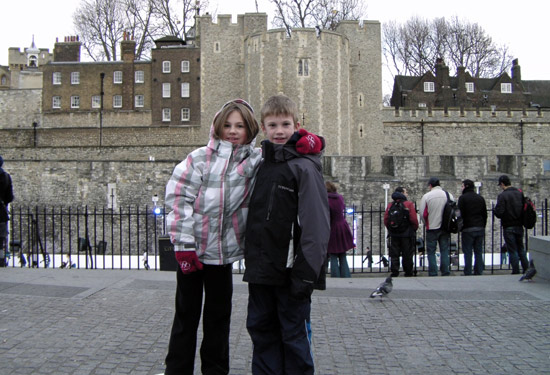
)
(188, 261)
(309, 143)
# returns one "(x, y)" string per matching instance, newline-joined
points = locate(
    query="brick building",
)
(72, 86)
(176, 82)
(440, 90)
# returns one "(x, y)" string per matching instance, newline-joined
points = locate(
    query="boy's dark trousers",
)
(277, 325)
(218, 291)
(402, 246)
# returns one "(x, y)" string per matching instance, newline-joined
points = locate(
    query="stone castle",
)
(88, 138)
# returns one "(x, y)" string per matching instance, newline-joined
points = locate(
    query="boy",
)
(287, 233)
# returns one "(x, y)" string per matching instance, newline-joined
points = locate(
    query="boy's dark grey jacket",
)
(288, 210)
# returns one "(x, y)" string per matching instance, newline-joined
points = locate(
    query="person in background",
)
(341, 238)
(474, 214)
(431, 213)
(509, 209)
(6, 197)
(402, 235)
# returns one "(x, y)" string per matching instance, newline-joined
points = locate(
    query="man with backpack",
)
(6, 196)
(431, 213)
(509, 210)
(401, 221)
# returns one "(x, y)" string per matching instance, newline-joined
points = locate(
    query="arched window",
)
(33, 61)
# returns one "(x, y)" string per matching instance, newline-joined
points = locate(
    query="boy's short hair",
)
(279, 105)
(245, 109)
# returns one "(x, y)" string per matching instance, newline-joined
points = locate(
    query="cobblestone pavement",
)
(118, 322)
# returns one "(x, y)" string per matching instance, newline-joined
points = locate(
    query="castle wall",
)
(466, 133)
(19, 108)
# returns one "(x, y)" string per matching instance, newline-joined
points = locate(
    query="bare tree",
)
(101, 24)
(324, 14)
(413, 47)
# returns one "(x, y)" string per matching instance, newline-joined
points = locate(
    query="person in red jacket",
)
(402, 222)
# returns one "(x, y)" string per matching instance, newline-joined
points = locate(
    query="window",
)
(75, 101)
(75, 78)
(185, 66)
(469, 87)
(56, 102)
(185, 89)
(429, 87)
(140, 76)
(506, 88)
(56, 78)
(139, 100)
(166, 67)
(165, 90)
(166, 114)
(96, 101)
(421, 105)
(185, 114)
(117, 101)
(117, 77)
(303, 67)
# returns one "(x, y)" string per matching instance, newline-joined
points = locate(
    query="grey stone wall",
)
(20, 108)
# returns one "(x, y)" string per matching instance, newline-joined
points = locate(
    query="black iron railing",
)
(130, 238)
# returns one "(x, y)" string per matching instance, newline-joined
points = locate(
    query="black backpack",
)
(452, 221)
(398, 217)
(529, 217)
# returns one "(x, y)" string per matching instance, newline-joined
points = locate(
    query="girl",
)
(207, 197)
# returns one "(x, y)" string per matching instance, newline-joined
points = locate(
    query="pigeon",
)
(531, 271)
(383, 289)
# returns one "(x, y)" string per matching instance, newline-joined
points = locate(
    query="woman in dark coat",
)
(341, 239)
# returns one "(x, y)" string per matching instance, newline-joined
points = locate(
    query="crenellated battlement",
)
(465, 115)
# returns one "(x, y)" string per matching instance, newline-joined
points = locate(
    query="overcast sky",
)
(522, 25)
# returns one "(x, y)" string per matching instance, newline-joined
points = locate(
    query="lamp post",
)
(101, 93)
(34, 125)
(386, 187)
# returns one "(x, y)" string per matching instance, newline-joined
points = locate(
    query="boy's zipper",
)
(271, 197)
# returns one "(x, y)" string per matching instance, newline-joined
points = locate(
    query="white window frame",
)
(185, 114)
(117, 101)
(56, 78)
(166, 87)
(139, 101)
(117, 77)
(429, 86)
(56, 101)
(166, 67)
(506, 88)
(185, 66)
(96, 101)
(185, 89)
(470, 87)
(139, 76)
(75, 78)
(75, 101)
(166, 114)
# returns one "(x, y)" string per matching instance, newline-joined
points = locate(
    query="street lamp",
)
(386, 187)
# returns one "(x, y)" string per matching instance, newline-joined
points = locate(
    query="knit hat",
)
(433, 181)
(468, 184)
(504, 180)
